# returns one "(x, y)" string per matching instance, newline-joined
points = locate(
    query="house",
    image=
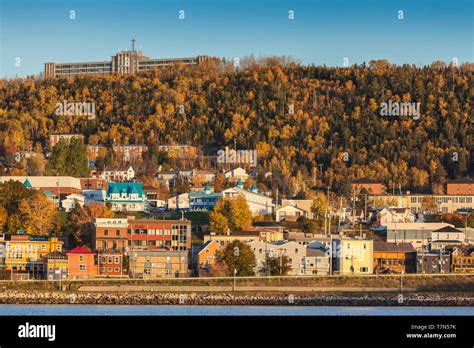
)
(208, 255)
(72, 201)
(304, 204)
(352, 256)
(201, 176)
(126, 196)
(178, 202)
(309, 238)
(168, 176)
(295, 253)
(317, 261)
(111, 234)
(124, 173)
(94, 196)
(154, 197)
(258, 203)
(81, 263)
(54, 139)
(371, 186)
(110, 263)
(394, 258)
(462, 259)
(391, 215)
(237, 174)
(51, 196)
(289, 213)
(160, 263)
(204, 201)
(461, 186)
(446, 236)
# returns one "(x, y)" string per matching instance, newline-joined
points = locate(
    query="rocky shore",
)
(411, 299)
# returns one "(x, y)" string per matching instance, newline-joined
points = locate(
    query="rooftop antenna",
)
(133, 43)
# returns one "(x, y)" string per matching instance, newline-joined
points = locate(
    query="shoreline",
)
(222, 299)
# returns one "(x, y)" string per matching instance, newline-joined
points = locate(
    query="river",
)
(170, 310)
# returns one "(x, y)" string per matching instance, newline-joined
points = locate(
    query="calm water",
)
(226, 310)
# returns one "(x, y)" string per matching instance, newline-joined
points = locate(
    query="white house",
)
(259, 204)
(446, 236)
(391, 215)
(237, 174)
(289, 213)
(126, 196)
(183, 201)
(72, 201)
(118, 174)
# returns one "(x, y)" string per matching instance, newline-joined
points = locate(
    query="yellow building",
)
(24, 253)
(353, 256)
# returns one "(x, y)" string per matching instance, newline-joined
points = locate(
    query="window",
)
(117, 232)
(117, 259)
(109, 269)
(81, 258)
(116, 270)
(82, 267)
(364, 269)
(106, 232)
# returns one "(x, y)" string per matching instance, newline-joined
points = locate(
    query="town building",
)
(370, 186)
(180, 202)
(462, 259)
(204, 201)
(237, 174)
(159, 263)
(130, 153)
(126, 196)
(445, 237)
(178, 150)
(82, 263)
(258, 203)
(225, 239)
(58, 185)
(352, 256)
(54, 139)
(94, 151)
(72, 201)
(387, 215)
(304, 204)
(317, 261)
(111, 234)
(433, 262)
(295, 253)
(94, 184)
(174, 235)
(415, 202)
(24, 254)
(123, 62)
(289, 213)
(154, 197)
(56, 266)
(208, 255)
(394, 258)
(461, 186)
(110, 263)
(94, 196)
(123, 173)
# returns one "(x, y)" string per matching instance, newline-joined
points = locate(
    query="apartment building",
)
(352, 256)
(111, 234)
(461, 186)
(160, 263)
(54, 139)
(123, 62)
(258, 203)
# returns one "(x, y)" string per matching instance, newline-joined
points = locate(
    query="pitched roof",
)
(394, 247)
(125, 187)
(80, 250)
(365, 181)
(448, 229)
(462, 181)
(205, 245)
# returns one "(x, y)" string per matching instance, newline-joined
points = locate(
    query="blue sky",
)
(322, 32)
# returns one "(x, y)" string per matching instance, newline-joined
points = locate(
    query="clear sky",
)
(322, 31)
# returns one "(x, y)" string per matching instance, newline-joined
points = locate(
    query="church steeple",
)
(133, 43)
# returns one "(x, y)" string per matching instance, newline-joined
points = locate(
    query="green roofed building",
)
(126, 196)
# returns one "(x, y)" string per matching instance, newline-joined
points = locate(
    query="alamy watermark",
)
(400, 109)
(75, 109)
(237, 156)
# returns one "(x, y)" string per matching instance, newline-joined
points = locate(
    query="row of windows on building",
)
(445, 199)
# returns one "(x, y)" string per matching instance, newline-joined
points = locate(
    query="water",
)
(163, 310)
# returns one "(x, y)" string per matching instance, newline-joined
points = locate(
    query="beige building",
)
(154, 264)
(414, 202)
(353, 256)
(123, 62)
